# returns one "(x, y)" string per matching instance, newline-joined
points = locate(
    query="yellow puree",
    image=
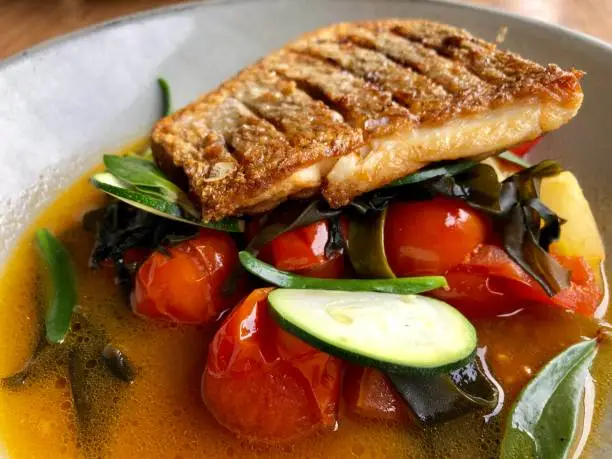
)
(161, 414)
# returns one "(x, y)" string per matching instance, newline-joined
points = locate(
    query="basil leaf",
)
(543, 420)
(63, 296)
(141, 173)
(166, 96)
(514, 159)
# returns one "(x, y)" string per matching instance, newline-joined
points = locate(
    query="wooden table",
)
(24, 23)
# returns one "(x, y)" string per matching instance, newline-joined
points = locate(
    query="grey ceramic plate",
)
(66, 102)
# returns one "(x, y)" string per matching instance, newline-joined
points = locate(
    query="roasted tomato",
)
(490, 283)
(262, 383)
(368, 393)
(302, 250)
(523, 148)
(429, 237)
(193, 282)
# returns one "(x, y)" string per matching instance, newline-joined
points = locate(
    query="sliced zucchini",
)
(395, 333)
(156, 203)
(402, 285)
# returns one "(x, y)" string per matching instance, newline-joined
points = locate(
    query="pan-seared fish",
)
(351, 107)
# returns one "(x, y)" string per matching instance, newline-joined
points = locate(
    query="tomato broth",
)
(162, 414)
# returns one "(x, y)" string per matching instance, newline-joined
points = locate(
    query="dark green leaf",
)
(166, 97)
(335, 242)
(435, 170)
(121, 227)
(543, 420)
(402, 285)
(63, 295)
(442, 397)
(527, 225)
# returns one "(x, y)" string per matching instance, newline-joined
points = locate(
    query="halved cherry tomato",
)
(262, 383)
(301, 250)
(523, 148)
(490, 283)
(429, 237)
(584, 293)
(192, 283)
(368, 393)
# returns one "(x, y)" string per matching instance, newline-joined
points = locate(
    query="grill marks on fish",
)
(347, 108)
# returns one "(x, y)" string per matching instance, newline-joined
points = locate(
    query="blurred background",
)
(24, 23)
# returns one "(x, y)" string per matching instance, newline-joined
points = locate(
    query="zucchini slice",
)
(395, 333)
(401, 285)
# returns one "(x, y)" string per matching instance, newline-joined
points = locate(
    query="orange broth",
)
(162, 415)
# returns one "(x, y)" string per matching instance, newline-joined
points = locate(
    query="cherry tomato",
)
(523, 148)
(333, 268)
(262, 383)
(429, 237)
(192, 283)
(490, 283)
(368, 393)
(476, 295)
(584, 293)
(301, 250)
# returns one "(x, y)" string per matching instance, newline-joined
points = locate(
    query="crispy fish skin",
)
(348, 108)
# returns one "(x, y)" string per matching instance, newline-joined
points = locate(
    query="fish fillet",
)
(349, 108)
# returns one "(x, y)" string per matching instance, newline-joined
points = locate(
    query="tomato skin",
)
(262, 383)
(301, 250)
(430, 237)
(187, 284)
(333, 268)
(369, 393)
(584, 293)
(489, 283)
(523, 148)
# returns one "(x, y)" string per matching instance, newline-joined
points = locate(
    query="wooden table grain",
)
(24, 23)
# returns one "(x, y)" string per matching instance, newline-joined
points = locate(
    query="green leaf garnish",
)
(528, 227)
(436, 170)
(166, 96)
(141, 173)
(543, 420)
(402, 285)
(140, 183)
(63, 294)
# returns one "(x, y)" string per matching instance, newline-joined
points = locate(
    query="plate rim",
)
(51, 43)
